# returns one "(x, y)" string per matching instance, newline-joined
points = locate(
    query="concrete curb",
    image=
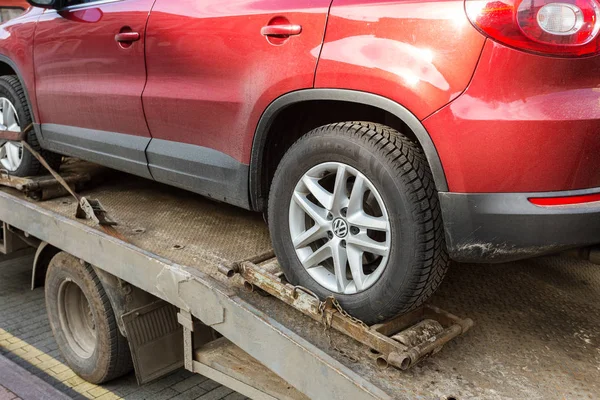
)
(26, 385)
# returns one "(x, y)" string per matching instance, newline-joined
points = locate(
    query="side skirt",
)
(199, 169)
(114, 150)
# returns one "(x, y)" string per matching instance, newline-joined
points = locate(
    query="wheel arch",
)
(266, 127)
(9, 67)
(44, 253)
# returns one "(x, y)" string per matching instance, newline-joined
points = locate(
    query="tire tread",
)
(410, 165)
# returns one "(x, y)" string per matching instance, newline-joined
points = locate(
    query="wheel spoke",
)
(7, 113)
(320, 193)
(13, 155)
(309, 236)
(365, 243)
(340, 258)
(318, 256)
(356, 197)
(318, 214)
(4, 107)
(355, 259)
(340, 198)
(366, 221)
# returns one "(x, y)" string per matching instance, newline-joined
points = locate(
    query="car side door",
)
(90, 74)
(213, 68)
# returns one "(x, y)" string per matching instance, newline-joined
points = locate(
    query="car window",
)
(69, 3)
(8, 13)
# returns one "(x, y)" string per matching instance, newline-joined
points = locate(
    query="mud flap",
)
(156, 340)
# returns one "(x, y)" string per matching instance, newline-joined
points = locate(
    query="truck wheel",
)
(15, 116)
(83, 321)
(353, 213)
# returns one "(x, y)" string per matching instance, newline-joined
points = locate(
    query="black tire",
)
(10, 88)
(398, 169)
(110, 357)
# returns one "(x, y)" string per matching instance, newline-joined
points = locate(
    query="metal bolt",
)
(354, 230)
(343, 243)
(344, 212)
(330, 234)
(329, 216)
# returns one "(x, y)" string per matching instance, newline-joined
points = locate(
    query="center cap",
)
(340, 227)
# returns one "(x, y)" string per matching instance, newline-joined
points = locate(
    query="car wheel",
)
(16, 116)
(353, 213)
(83, 322)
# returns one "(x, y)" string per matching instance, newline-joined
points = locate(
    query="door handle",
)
(281, 30)
(127, 37)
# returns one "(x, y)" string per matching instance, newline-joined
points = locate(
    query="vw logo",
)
(340, 228)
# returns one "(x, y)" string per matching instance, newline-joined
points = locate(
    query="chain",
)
(327, 316)
(343, 313)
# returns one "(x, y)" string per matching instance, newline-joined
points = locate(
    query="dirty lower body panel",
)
(537, 322)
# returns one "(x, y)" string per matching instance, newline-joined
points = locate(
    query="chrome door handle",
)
(127, 37)
(281, 30)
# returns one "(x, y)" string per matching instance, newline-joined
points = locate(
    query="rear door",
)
(213, 68)
(90, 75)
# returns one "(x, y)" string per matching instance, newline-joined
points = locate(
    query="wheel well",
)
(300, 118)
(6, 69)
(43, 255)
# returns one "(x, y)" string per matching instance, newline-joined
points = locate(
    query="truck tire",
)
(83, 322)
(15, 115)
(353, 213)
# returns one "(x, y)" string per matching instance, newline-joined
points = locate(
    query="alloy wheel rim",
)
(11, 153)
(340, 228)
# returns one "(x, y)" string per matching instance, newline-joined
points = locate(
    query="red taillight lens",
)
(557, 27)
(565, 201)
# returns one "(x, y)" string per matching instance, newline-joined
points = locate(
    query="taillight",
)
(566, 28)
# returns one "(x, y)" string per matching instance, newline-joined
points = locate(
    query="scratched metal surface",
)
(537, 332)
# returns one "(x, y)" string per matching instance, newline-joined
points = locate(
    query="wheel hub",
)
(340, 228)
(77, 319)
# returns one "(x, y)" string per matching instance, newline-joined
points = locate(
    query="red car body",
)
(201, 99)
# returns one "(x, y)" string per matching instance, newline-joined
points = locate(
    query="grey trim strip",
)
(114, 150)
(351, 96)
(199, 169)
(498, 227)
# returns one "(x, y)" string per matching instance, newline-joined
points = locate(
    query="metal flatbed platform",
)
(537, 322)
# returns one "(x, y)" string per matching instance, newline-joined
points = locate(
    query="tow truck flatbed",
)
(535, 337)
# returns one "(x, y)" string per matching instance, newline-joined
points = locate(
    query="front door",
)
(90, 74)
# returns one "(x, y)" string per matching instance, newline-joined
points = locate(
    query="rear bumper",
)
(506, 226)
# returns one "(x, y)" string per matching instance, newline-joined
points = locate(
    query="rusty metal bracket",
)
(93, 209)
(401, 342)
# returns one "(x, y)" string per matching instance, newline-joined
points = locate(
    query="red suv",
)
(382, 139)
